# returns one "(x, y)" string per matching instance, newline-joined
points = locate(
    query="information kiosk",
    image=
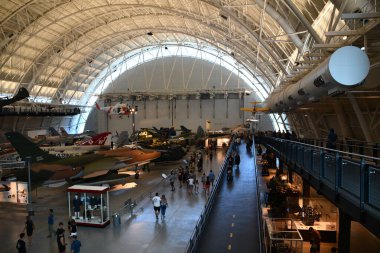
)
(89, 205)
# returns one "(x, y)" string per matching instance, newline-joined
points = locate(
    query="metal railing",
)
(199, 227)
(259, 210)
(352, 177)
(350, 146)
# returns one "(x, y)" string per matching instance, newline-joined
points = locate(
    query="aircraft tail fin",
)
(184, 129)
(123, 139)
(98, 139)
(97, 106)
(64, 132)
(26, 148)
(53, 132)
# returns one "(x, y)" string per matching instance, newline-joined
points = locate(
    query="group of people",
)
(59, 233)
(159, 205)
(186, 177)
(189, 178)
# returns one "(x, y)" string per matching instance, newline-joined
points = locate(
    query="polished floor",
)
(138, 233)
(233, 223)
(231, 228)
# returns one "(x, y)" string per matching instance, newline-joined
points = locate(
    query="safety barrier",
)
(199, 227)
(351, 181)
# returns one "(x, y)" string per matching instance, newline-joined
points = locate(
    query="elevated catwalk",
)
(233, 223)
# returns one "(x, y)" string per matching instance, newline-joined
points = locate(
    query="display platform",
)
(283, 236)
(89, 206)
(326, 229)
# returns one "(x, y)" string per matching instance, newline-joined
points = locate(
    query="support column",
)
(312, 126)
(344, 232)
(280, 166)
(305, 192)
(290, 175)
(344, 125)
(359, 116)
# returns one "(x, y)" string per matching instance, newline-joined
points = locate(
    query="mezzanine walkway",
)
(233, 223)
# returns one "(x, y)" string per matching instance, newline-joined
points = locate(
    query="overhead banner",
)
(14, 192)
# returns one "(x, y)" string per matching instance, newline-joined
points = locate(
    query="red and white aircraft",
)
(117, 109)
(96, 143)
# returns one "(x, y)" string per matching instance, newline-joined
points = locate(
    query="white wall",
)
(191, 117)
(178, 74)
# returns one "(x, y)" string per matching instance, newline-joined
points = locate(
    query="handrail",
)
(328, 149)
(259, 210)
(191, 245)
(351, 184)
(346, 143)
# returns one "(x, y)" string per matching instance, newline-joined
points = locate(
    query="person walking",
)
(156, 204)
(21, 246)
(61, 241)
(331, 139)
(164, 205)
(315, 240)
(207, 186)
(180, 176)
(51, 223)
(75, 245)
(203, 180)
(29, 228)
(171, 180)
(237, 160)
(72, 226)
(211, 177)
(190, 185)
(196, 186)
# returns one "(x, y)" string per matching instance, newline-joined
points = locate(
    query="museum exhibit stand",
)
(290, 204)
(89, 205)
(282, 236)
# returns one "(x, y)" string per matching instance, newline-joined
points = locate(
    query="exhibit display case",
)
(282, 236)
(89, 205)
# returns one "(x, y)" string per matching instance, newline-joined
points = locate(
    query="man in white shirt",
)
(190, 185)
(156, 204)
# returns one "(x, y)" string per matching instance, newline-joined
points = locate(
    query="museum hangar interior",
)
(121, 65)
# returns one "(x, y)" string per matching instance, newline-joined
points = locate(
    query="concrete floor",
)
(233, 223)
(142, 233)
(139, 233)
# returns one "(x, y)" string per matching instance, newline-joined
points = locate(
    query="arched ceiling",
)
(52, 47)
(57, 48)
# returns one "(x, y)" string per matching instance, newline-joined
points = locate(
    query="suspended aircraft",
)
(256, 108)
(21, 94)
(47, 168)
(118, 109)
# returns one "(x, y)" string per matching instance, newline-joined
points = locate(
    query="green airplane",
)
(49, 169)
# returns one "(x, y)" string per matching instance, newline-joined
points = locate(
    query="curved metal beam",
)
(48, 63)
(303, 20)
(177, 31)
(283, 23)
(144, 6)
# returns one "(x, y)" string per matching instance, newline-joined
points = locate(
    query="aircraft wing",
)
(253, 110)
(113, 159)
(21, 94)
